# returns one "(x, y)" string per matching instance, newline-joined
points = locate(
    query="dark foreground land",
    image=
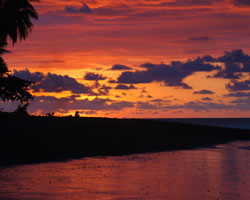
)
(41, 139)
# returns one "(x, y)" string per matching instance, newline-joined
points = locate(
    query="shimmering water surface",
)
(212, 173)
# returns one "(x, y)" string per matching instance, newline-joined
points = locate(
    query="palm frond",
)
(15, 19)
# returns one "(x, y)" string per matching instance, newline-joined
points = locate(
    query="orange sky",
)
(72, 38)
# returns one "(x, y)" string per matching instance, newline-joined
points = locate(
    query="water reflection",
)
(213, 173)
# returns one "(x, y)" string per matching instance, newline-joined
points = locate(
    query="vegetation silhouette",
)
(41, 139)
(15, 24)
(50, 114)
(77, 114)
(22, 110)
(15, 19)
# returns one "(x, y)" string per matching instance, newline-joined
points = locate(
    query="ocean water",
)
(241, 123)
(208, 173)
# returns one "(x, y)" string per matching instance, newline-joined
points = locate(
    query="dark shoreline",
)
(42, 139)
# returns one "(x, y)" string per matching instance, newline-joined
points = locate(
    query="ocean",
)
(221, 172)
(241, 123)
(218, 172)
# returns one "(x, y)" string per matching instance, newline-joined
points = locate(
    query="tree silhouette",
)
(22, 110)
(15, 19)
(15, 24)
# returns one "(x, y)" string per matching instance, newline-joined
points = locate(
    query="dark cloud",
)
(157, 100)
(120, 67)
(83, 9)
(242, 104)
(236, 55)
(241, 2)
(197, 65)
(154, 104)
(246, 67)
(90, 76)
(104, 90)
(200, 106)
(178, 84)
(125, 87)
(238, 94)
(171, 75)
(208, 58)
(238, 85)
(120, 105)
(230, 71)
(47, 104)
(112, 81)
(146, 106)
(203, 92)
(200, 39)
(236, 62)
(160, 101)
(207, 99)
(27, 75)
(53, 82)
(96, 85)
(59, 83)
(241, 101)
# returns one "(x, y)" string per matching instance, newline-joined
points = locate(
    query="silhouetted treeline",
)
(38, 139)
(15, 24)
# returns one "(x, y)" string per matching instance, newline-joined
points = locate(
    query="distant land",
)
(41, 139)
(241, 123)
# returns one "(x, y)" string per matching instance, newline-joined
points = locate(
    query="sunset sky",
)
(137, 59)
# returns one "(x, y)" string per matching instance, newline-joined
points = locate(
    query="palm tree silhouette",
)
(15, 24)
(15, 19)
